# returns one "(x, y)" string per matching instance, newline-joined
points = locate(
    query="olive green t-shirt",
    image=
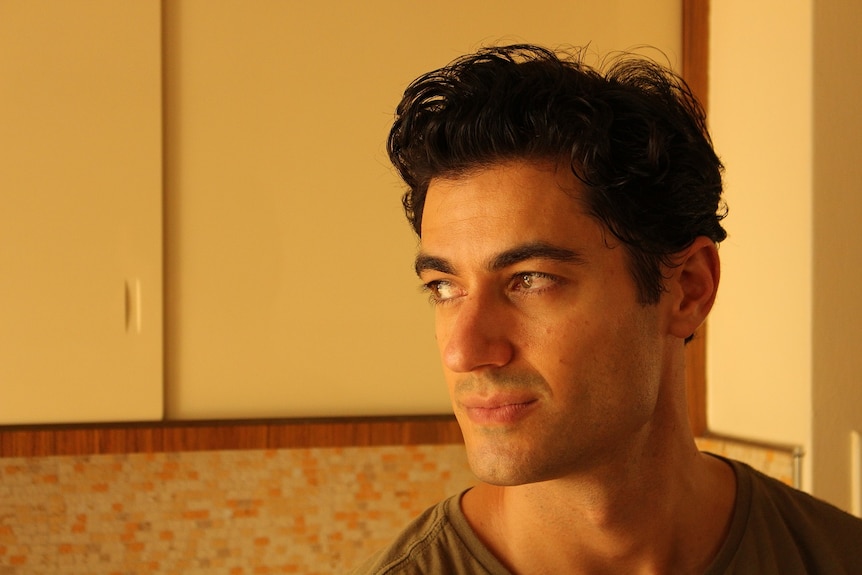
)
(775, 529)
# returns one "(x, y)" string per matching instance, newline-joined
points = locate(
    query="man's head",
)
(633, 135)
(568, 227)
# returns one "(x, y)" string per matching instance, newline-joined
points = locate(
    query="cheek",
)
(572, 341)
(602, 353)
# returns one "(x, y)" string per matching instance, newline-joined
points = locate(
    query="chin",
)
(505, 470)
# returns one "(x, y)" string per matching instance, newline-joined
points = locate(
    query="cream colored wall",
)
(759, 342)
(289, 282)
(837, 351)
(783, 348)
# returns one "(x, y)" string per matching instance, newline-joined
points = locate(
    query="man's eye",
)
(532, 281)
(441, 291)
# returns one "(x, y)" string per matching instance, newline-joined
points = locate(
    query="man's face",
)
(552, 365)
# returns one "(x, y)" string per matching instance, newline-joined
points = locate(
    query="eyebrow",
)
(510, 257)
(424, 263)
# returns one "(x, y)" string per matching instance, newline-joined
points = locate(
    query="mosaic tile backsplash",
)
(305, 511)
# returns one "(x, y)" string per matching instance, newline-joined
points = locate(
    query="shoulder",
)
(800, 511)
(784, 530)
(438, 541)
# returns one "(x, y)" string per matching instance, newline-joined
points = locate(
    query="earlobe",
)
(695, 283)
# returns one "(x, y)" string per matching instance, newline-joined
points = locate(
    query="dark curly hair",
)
(633, 134)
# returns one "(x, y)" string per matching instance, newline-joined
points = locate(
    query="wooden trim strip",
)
(695, 70)
(695, 47)
(38, 441)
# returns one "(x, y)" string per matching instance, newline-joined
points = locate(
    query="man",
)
(569, 220)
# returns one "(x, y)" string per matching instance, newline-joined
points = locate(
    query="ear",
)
(692, 286)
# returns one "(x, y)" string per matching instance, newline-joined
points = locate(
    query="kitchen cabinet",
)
(80, 211)
(231, 153)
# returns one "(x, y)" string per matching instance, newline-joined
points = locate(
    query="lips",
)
(498, 410)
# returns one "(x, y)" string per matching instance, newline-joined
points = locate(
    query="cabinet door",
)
(80, 211)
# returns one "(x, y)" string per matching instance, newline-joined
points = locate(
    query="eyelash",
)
(432, 287)
(538, 275)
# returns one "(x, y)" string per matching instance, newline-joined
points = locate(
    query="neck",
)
(652, 509)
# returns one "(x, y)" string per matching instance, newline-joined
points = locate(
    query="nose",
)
(476, 333)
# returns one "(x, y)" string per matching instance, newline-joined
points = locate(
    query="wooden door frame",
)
(695, 70)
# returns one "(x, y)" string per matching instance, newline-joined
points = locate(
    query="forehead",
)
(507, 203)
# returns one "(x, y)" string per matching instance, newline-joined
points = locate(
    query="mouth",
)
(498, 411)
